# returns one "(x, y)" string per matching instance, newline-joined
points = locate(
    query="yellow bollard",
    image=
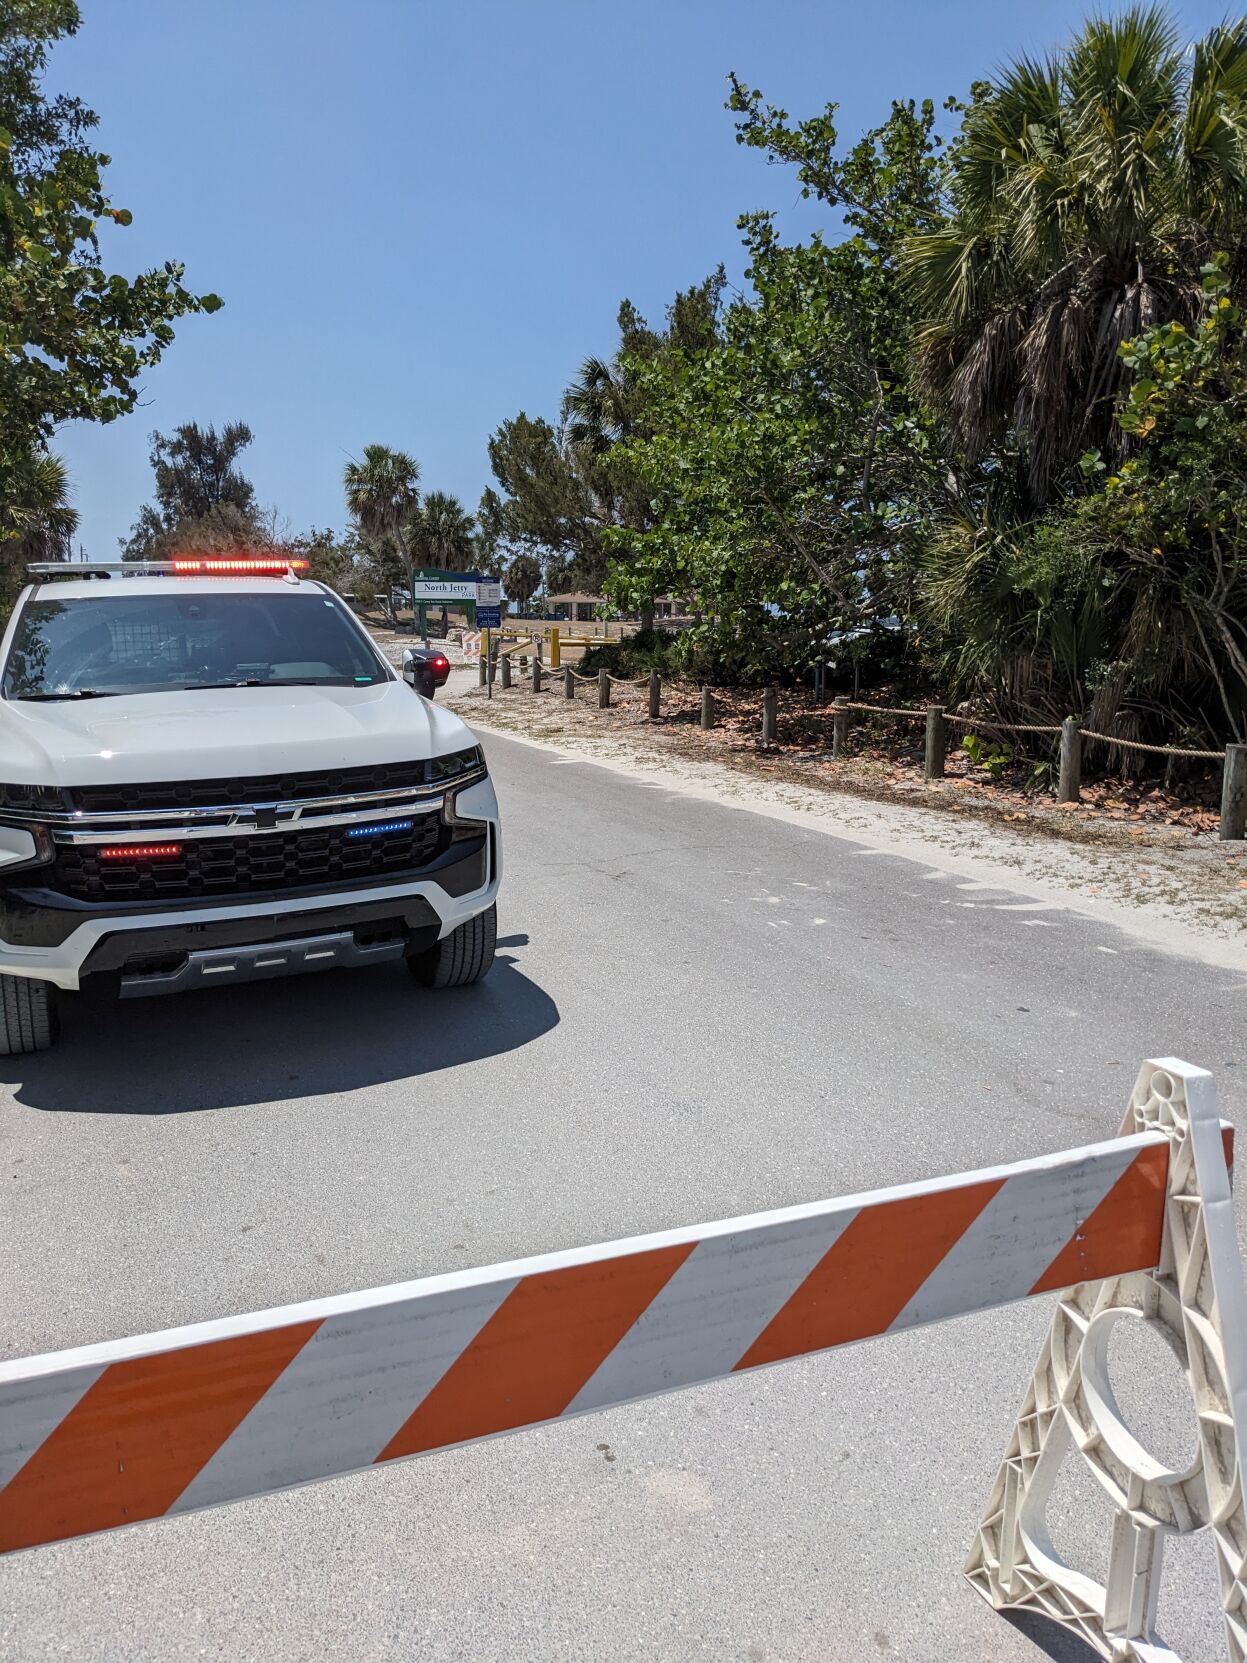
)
(555, 662)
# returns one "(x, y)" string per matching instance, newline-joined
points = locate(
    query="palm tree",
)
(445, 531)
(1087, 191)
(599, 406)
(601, 410)
(522, 578)
(382, 497)
(38, 522)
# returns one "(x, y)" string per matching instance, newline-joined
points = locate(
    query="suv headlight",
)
(441, 769)
(468, 810)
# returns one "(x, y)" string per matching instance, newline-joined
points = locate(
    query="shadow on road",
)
(1052, 1640)
(306, 1036)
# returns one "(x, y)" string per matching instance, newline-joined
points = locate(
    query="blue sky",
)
(422, 214)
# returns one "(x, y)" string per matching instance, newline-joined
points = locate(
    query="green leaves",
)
(993, 757)
(1083, 192)
(788, 462)
(75, 339)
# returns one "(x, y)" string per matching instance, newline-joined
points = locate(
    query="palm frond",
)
(1088, 190)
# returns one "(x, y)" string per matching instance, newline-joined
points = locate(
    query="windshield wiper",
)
(78, 693)
(248, 681)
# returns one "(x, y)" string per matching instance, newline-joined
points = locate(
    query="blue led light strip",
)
(376, 831)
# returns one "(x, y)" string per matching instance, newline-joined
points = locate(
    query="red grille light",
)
(141, 851)
(440, 663)
(237, 568)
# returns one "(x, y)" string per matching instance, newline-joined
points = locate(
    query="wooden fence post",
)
(1234, 794)
(504, 666)
(707, 708)
(1069, 784)
(839, 729)
(770, 714)
(569, 684)
(556, 661)
(536, 672)
(604, 689)
(936, 742)
(655, 694)
(482, 670)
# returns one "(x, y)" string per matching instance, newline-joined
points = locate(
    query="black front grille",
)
(124, 798)
(221, 866)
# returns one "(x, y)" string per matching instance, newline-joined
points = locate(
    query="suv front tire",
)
(460, 958)
(28, 1016)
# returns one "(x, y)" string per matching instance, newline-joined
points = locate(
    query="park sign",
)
(445, 587)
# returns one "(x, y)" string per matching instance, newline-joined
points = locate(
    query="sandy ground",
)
(1176, 889)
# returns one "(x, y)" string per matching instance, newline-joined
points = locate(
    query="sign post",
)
(489, 604)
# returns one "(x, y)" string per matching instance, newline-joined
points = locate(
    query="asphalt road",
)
(698, 1012)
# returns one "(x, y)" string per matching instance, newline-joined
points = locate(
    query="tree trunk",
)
(647, 616)
(409, 559)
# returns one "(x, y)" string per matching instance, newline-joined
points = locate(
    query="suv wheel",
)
(461, 957)
(28, 1019)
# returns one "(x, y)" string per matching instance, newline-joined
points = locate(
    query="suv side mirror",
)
(409, 667)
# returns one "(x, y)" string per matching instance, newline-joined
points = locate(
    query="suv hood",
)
(220, 733)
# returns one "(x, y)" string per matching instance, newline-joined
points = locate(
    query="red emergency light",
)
(141, 851)
(211, 567)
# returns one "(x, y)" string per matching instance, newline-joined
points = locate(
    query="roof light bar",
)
(183, 566)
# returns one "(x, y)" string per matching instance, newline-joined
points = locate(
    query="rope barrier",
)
(1154, 750)
(1003, 727)
(1037, 727)
(879, 710)
(911, 715)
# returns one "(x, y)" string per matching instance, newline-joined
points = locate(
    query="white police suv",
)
(211, 775)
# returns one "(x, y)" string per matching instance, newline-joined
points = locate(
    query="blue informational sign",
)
(489, 617)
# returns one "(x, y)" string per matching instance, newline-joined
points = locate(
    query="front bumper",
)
(51, 937)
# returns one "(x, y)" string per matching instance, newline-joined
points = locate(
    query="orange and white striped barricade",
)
(472, 646)
(1138, 1227)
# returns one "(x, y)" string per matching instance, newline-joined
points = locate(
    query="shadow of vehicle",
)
(307, 1036)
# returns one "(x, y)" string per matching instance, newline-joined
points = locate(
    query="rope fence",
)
(1153, 750)
(882, 710)
(1071, 734)
(1004, 727)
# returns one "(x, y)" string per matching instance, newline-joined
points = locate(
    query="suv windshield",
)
(90, 647)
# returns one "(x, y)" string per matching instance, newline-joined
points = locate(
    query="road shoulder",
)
(1189, 897)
